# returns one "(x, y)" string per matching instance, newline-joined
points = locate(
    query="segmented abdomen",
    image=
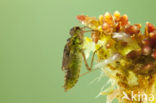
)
(73, 70)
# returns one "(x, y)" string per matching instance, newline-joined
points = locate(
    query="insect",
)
(72, 57)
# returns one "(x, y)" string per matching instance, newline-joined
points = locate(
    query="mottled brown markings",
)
(72, 57)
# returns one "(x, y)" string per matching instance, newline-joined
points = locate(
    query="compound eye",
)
(74, 30)
(77, 28)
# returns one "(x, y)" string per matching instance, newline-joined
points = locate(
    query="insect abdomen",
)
(73, 72)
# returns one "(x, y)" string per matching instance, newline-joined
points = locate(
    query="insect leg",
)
(85, 61)
(92, 60)
(90, 30)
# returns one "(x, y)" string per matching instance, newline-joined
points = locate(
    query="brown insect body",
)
(72, 57)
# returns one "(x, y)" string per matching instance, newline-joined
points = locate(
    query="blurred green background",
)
(32, 37)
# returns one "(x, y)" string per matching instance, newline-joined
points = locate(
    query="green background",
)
(32, 37)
